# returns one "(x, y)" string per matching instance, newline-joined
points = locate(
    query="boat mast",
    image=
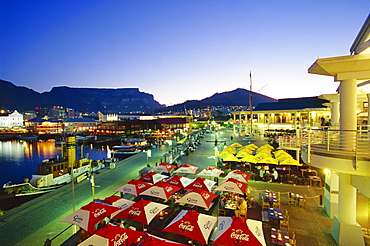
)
(250, 101)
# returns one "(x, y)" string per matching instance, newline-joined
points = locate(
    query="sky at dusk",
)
(177, 50)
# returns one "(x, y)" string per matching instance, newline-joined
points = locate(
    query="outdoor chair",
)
(221, 212)
(292, 201)
(292, 240)
(284, 224)
(265, 205)
(303, 201)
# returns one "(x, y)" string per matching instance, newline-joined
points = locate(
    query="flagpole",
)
(250, 101)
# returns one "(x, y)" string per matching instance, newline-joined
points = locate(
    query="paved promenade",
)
(34, 222)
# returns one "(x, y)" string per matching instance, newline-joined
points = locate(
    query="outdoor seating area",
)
(164, 202)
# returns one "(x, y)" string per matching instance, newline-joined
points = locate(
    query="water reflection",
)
(18, 159)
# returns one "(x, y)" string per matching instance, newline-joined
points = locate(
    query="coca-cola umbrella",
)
(153, 177)
(179, 181)
(239, 175)
(232, 185)
(239, 231)
(150, 240)
(162, 190)
(210, 172)
(163, 167)
(118, 202)
(201, 183)
(134, 187)
(187, 168)
(89, 215)
(112, 235)
(142, 211)
(198, 197)
(191, 224)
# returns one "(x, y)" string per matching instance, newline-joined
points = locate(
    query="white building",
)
(14, 119)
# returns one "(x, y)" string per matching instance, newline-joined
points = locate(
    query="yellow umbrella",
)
(238, 145)
(269, 161)
(230, 158)
(250, 158)
(252, 146)
(283, 157)
(263, 155)
(290, 161)
(243, 153)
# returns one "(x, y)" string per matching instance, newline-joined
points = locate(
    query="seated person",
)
(242, 208)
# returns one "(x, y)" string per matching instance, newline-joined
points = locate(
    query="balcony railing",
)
(342, 143)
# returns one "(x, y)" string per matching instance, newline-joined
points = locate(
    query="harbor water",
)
(18, 159)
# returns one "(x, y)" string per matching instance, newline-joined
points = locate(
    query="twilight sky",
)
(177, 50)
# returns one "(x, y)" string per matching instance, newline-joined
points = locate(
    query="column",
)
(240, 123)
(234, 125)
(348, 116)
(347, 200)
(335, 115)
(368, 110)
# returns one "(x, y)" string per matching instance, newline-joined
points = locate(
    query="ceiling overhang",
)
(343, 67)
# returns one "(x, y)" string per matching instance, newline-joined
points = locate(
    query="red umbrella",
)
(149, 240)
(161, 190)
(192, 224)
(239, 231)
(134, 187)
(210, 172)
(112, 235)
(142, 211)
(186, 168)
(239, 175)
(163, 167)
(118, 202)
(198, 197)
(201, 183)
(89, 215)
(179, 181)
(232, 185)
(153, 177)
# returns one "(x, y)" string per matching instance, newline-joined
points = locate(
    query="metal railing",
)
(347, 143)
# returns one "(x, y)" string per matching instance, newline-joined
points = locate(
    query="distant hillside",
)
(237, 97)
(122, 100)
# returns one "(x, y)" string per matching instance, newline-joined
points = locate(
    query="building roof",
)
(293, 104)
(362, 40)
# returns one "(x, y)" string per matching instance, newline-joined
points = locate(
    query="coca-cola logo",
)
(120, 239)
(185, 227)
(198, 185)
(141, 186)
(239, 237)
(174, 182)
(99, 212)
(134, 212)
(77, 219)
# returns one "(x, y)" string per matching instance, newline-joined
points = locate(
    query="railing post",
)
(328, 140)
(309, 146)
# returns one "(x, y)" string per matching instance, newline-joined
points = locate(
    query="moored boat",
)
(123, 151)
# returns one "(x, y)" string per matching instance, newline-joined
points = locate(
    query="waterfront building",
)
(13, 119)
(80, 125)
(282, 116)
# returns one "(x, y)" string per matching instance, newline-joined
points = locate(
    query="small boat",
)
(123, 150)
(55, 172)
(29, 138)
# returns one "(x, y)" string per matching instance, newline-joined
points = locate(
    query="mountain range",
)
(122, 100)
